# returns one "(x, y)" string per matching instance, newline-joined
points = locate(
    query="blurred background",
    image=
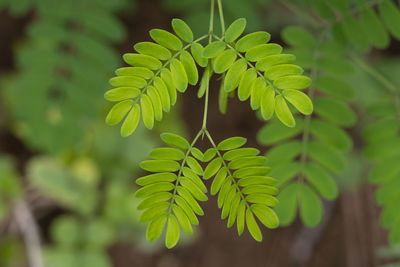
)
(68, 179)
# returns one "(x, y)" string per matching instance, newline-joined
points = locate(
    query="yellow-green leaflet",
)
(233, 210)
(293, 82)
(172, 236)
(232, 143)
(163, 92)
(283, 112)
(235, 30)
(131, 121)
(174, 140)
(246, 84)
(118, 112)
(268, 103)
(167, 153)
(182, 219)
(138, 60)
(241, 217)
(299, 100)
(142, 72)
(269, 61)
(266, 215)
(197, 52)
(156, 226)
(234, 75)
(121, 93)
(179, 76)
(252, 226)
(205, 81)
(251, 40)
(166, 39)
(182, 30)
(190, 67)
(147, 111)
(257, 92)
(219, 179)
(128, 81)
(212, 168)
(263, 50)
(213, 49)
(152, 49)
(278, 71)
(222, 99)
(166, 76)
(155, 100)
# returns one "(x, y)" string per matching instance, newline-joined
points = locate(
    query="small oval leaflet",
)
(182, 30)
(175, 140)
(235, 30)
(232, 143)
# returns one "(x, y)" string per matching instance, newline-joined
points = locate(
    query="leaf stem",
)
(211, 24)
(204, 126)
(221, 17)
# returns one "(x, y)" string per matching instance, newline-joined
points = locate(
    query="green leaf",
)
(372, 25)
(251, 171)
(151, 213)
(384, 171)
(330, 134)
(228, 202)
(157, 177)
(283, 153)
(286, 207)
(173, 232)
(188, 173)
(194, 165)
(155, 228)
(179, 75)
(268, 103)
(131, 121)
(175, 140)
(154, 188)
(335, 65)
(197, 153)
(240, 152)
(187, 196)
(327, 156)
(297, 82)
(335, 111)
(160, 165)
(166, 39)
(234, 75)
(321, 180)
(155, 198)
(250, 40)
(256, 180)
(219, 179)
(156, 102)
(310, 206)
(282, 70)
(299, 37)
(162, 91)
(285, 172)
(224, 60)
(182, 219)
(334, 87)
(138, 60)
(141, 72)
(166, 76)
(128, 81)
(299, 100)
(222, 99)
(266, 215)
(258, 89)
(269, 61)
(118, 112)
(197, 52)
(233, 211)
(167, 153)
(246, 84)
(213, 49)
(391, 17)
(231, 143)
(193, 189)
(275, 132)
(182, 30)
(181, 202)
(209, 154)
(252, 226)
(147, 111)
(283, 112)
(212, 168)
(241, 217)
(121, 93)
(260, 189)
(247, 162)
(190, 67)
(226, 187)
(152, 49)
(263, 50)
(235, 30)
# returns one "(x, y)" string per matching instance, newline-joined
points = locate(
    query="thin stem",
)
(211, 25)
(221, 17)
(374, 73)
(30, 233)
(204, 126)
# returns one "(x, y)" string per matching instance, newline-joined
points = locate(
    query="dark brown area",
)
(349, 236)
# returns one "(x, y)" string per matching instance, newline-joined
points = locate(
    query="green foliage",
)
(304, 167)
(10, 187)
(172, 193)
